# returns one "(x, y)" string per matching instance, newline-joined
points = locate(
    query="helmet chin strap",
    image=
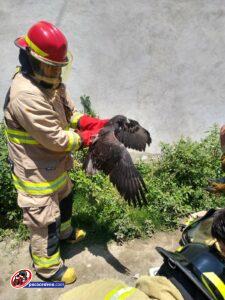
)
(47, 85)
(48, 80)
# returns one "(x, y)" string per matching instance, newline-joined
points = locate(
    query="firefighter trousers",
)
(48, 224)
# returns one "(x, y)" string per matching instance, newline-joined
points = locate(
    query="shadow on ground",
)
(92, 239)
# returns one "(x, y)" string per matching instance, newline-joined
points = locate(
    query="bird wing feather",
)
(111, 156)
(134, 136)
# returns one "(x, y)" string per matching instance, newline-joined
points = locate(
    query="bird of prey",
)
(108, 153)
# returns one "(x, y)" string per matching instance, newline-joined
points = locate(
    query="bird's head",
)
(118, 121)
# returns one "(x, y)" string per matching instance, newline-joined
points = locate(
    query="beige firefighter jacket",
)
(39, 140)
(155, 287)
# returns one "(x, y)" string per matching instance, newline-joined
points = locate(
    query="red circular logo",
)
(21, 278)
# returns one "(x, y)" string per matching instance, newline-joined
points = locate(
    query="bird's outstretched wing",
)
(110, 156)
(131, 133)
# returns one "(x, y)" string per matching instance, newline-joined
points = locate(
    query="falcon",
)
(108, 153)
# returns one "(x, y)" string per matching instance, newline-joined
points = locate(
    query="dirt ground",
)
(91, 261)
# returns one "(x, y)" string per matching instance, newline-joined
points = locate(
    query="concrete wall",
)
(161, 62)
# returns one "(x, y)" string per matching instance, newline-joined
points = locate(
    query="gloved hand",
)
(87, 137)
(216, 185)
(223, 162)
(89, 123)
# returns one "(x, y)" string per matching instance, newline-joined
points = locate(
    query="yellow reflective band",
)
(22, 141)
(123, 293)
(46, 262)
(20, 137)
(179, 248)
(17, 132)
(17, 70)
(112, 292)
(208, 287)
(216, 281)
(74, 119)
(74, 141)
(189, 221)
(65, 225)
(120, 293)
(40, 188)
(35, 48)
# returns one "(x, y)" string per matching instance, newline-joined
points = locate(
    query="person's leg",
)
(65, 206)
(44, 225)
(67, 232)
(44, 248)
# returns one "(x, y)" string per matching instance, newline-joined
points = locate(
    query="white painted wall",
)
(161, 62)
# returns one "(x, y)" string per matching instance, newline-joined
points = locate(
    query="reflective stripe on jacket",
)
(22, 137)
(39, 140)
(120, 293)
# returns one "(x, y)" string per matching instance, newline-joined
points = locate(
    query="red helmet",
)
(46, 43)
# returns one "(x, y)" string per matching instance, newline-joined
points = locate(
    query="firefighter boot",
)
(76, 236)
(65, 274)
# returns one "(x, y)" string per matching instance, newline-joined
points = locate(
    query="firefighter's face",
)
(46, 72)
(51, 71)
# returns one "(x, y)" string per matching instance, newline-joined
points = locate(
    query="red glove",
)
(87, 136)
(89, 123)
(88, 128)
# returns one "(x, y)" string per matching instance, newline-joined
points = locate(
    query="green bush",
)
(175, 183)
(86, 103)
(9, 211)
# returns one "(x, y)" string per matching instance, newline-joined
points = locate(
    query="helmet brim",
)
(52, 62)
(21, 43)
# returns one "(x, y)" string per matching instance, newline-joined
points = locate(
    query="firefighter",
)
(218, 230)
(146, 287)
(39, 115)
